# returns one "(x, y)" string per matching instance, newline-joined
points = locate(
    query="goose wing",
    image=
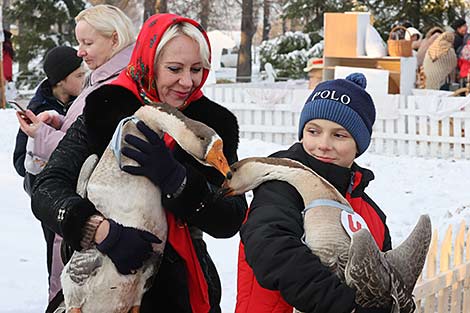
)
(407, 261)
(83, 264)
(368, 272)
(85, 174)
(77, 272)
(409, 257)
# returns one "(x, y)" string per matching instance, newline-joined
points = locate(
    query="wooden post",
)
(466, 282)
(444, 266)
(2, 79)
(429, 305)
(456, 300)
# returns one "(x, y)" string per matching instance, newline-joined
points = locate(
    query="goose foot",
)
(75, 310)
(135, 309)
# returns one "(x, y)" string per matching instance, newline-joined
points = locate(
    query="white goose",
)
(379, 278)
(90, 281)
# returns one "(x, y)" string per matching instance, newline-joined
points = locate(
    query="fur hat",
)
(343, 101)
(60, 62)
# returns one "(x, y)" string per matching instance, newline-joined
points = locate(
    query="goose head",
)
(196, 138)
(249, 173)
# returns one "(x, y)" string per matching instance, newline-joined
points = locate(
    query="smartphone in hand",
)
(20, 109)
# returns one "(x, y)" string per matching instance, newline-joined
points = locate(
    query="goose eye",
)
(201, 138)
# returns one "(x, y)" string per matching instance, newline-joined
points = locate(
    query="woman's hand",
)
(51, 118)
(156, 161)
(29, 122)
(127, 247)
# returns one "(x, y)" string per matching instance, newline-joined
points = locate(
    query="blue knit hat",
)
(343, 101)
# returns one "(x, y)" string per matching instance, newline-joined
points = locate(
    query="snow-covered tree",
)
(42, 24)
(290, 52)
(309, 13)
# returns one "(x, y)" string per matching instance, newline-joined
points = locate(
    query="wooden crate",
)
(345, 34)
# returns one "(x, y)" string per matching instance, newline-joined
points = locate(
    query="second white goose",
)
(380, 279)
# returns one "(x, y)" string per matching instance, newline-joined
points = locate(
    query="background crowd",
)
(443, 55)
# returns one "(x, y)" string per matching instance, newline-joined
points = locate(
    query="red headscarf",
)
(139, 77)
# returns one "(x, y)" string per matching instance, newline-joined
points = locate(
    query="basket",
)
(399, 47)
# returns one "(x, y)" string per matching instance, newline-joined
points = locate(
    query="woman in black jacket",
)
(170, 63)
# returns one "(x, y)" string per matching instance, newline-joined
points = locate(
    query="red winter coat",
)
(276, 271)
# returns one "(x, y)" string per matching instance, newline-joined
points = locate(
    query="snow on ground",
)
(404, 188)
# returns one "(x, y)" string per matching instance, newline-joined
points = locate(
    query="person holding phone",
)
(105, 37)
(65, 77)
(15, 105)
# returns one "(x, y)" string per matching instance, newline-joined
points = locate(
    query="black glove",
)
(156, 161)
(127, 247)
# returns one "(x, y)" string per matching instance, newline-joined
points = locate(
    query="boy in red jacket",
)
(277, 271)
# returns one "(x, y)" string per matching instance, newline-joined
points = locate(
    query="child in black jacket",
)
(277, 271)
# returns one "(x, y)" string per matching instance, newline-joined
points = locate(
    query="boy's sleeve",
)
(280, 261)
(19, 153)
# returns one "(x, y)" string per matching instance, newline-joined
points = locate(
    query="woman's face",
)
(94, 48)
(329, 142)
(178, 71)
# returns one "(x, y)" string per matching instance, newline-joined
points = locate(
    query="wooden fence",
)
(421, 126)
(263, 112)
(444, 285)
(425, 126)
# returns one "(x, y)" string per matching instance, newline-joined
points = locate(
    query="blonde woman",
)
(105, 37)
(170, 63)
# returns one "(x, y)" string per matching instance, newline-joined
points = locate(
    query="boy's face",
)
(72, 85)
(329, 142)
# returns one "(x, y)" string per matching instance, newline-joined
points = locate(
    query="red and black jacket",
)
(276, 270)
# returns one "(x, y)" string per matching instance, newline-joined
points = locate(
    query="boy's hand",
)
(29, 122)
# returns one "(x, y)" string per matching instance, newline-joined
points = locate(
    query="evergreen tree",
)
(422, 14)
(49, 23)
(309, 13)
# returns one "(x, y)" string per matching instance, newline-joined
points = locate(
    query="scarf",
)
(139, 77)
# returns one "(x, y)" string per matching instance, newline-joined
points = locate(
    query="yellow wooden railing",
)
(444, 285)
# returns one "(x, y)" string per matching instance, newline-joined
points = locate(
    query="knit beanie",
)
(59, 62)
(343, 101)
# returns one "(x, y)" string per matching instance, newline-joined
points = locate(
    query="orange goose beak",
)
(217, 159)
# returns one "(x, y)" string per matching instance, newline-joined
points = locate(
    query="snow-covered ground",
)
(405, 187)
